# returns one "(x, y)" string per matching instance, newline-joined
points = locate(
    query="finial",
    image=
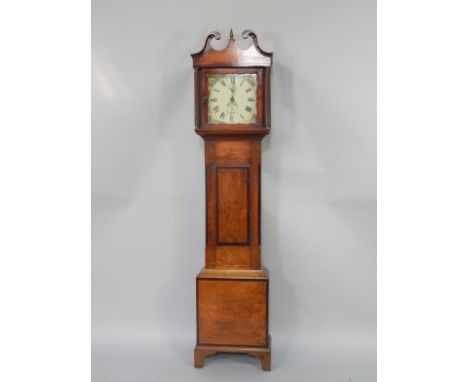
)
(231, 35)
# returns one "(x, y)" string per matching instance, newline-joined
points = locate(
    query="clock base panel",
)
(232, 314)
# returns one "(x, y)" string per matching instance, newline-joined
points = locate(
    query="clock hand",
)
(231, 106)
(232, 102)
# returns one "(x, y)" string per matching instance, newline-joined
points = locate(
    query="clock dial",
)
(232, 98)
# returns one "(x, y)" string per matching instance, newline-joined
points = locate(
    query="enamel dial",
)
(232, 98)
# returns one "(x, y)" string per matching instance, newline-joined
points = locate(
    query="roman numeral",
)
(233, 80)
(215, 109)
(222, 82)
(216, 90)
(242, 116)
(242, 83)
(231, 117)
(251, 99)
(248, 109)
(249, 89)
(222, 116)
(213, 99)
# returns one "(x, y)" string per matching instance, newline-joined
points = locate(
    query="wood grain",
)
(232, 205)
(222, 300)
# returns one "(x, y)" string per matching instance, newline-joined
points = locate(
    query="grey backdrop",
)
(318, 191)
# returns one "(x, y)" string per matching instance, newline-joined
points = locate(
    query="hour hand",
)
(232, 102)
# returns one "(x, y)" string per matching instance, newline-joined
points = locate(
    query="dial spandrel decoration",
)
(232, 98)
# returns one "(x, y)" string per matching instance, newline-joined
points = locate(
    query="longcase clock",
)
(232, 115)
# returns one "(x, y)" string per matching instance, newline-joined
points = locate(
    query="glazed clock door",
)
(232, 98)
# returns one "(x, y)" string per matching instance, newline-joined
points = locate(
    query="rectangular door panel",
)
(232, 205)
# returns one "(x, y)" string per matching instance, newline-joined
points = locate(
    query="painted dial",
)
(232, 98)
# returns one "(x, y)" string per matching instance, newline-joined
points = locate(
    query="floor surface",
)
(171, 362)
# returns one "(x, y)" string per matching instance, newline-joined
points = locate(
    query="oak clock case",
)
(232, 115)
